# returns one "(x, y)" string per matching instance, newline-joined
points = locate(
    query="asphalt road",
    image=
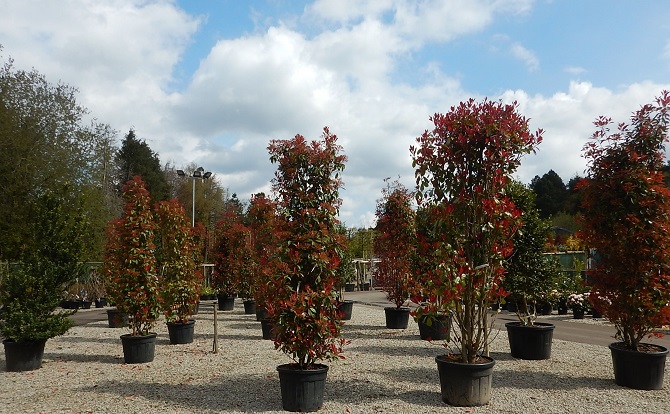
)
(566, 330)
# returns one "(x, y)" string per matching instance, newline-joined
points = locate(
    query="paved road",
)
(566, 330)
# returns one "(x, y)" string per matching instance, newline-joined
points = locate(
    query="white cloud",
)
(574, 70)
(274, 84)
(567, 120)
(526, 56)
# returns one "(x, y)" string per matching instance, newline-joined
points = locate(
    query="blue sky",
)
(212, 82)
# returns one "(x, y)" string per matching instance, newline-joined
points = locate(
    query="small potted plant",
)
(131, 276)
(178, 255)
(462, 168)
(578, 303)
(304, 307)
(345, 272)
(394, 246)
(232, 257)
(30, 290)
(263, 221)
(529, 274)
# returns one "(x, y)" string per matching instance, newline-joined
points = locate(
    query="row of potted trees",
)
(468, 221)
(151, 267)
(478, 237)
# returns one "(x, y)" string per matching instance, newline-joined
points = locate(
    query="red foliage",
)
(307, 183)
(178, 257)
(130, 261)
(395, 242)
(627, 220)
(233, 258)
(462, 167)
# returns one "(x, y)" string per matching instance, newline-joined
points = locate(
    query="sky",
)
(211, 82)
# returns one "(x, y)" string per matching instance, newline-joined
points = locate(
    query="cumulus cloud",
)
(332, 66)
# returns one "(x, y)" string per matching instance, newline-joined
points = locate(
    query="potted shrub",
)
(263, 225)
(29, 317)
(626, 217)
(130, 269)
(30, 290)
(530, 276)
(345, 273)
(304, 308)
(578, 303)
(433, 315)
(394, 246)
(462, 168)
(232, 257)
(178, 256)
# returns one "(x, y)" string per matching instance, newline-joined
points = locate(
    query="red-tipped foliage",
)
(462, 167)
(627, 220)
(395, 243)
(307, 183)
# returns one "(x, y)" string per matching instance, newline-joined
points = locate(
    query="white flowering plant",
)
(579, 302)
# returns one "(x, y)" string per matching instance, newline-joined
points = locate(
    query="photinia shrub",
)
(626, 220)
(178, 256)
(462, 167)
(233, 258)
(130, 260)
(304, 308)
(395, 243)
(263, 222)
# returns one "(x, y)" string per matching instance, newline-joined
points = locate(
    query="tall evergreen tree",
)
(550, 193)
(136, 158)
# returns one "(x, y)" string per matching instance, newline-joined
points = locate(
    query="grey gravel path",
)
(386, 371)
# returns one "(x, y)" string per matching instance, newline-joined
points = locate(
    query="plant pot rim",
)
(190, 321)
(295, 367)
(445, 358)
(620, 347)
(400, 309)
(129, 335)
(35, 341)
(536, 325)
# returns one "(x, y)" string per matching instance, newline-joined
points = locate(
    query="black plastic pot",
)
(249, 307)
(434, 329)
(530, 342)
(396, 318)
(261, 313)
(267, 328)
(346, 309)
(302, 390)
(226, 302)
(116, 318)
(465, 385)
(23, 356)
(138, 349)
(181, 332)
(638, 370)
(349, 287)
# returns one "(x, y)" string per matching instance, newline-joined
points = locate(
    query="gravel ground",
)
(386, 371)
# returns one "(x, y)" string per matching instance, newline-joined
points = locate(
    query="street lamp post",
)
(199, 174)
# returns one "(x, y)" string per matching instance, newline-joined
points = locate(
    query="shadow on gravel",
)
(364, 393)
(548, 380)
(250, 394)
(393, 350)
(85, 358)
(84, 339)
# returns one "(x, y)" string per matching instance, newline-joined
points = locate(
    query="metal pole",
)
(193, 204)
